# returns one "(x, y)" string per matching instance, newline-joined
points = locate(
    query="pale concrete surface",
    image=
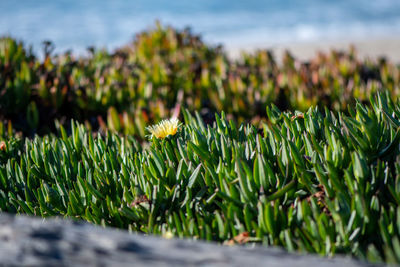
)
(29, 241)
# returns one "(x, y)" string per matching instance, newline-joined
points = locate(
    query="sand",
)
(373, 48)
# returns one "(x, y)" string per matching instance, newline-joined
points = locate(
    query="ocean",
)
(76, 24)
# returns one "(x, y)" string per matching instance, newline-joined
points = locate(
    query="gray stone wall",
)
(29, 241)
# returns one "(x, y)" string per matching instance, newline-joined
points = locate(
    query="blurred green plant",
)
(163, 69)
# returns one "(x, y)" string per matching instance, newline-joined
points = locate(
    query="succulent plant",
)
(322, 182)
(144, 81)
(322, 179)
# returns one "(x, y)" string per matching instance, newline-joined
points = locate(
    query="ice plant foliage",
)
(164, 128)
(137, 76)
(327, 183)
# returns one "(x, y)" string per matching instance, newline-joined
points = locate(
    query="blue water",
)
(77, 24)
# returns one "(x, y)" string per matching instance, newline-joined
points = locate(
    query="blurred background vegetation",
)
(164, 69)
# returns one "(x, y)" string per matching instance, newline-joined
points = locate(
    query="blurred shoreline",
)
(372, 48)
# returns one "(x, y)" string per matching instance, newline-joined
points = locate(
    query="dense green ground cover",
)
(162, 68)
(323, 181)
(320, 182)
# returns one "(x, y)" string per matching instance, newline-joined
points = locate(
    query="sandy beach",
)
(373, 48)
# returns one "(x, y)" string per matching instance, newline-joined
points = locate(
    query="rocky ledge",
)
(29, 241)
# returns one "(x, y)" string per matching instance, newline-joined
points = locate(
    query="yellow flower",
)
(164, 128)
